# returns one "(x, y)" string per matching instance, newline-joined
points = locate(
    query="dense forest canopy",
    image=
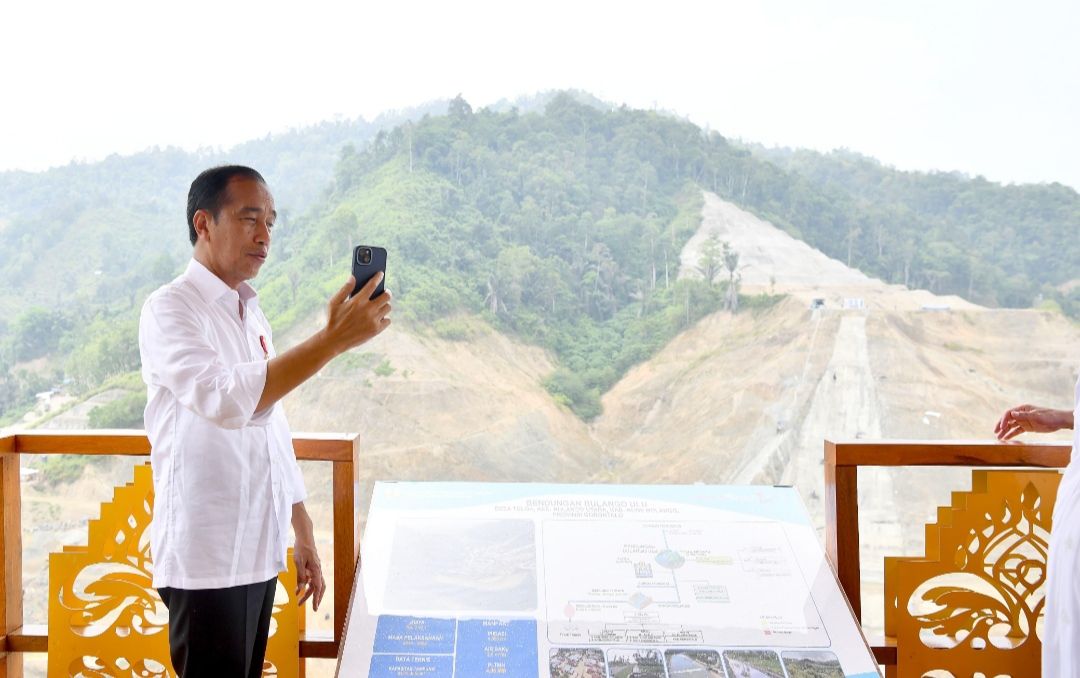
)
(563, 227)
(561, 224)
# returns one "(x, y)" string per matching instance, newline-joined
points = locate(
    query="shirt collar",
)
(211, 288)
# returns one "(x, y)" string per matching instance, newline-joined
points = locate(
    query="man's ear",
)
(202, 224)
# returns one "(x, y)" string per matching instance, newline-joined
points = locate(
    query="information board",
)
(469, 580)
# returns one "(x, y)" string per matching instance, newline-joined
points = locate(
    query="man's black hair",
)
(208, 191)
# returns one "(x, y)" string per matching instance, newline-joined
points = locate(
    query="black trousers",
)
(219, 632)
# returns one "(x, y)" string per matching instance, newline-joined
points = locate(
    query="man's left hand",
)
(309, 576)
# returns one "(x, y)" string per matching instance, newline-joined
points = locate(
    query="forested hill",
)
(995, 245)
(98, 234)
(562, 226)
(109, 229)
(104, 227)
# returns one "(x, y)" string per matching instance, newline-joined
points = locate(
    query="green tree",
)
(711, 258)
(124, 412)
(731, 263)
(36, 332)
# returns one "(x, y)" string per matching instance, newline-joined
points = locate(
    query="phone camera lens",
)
(365, 255)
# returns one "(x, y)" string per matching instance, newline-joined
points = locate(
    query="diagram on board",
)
(676, 583)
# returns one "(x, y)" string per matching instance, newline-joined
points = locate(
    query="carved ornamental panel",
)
(973, 606)
(105, 617)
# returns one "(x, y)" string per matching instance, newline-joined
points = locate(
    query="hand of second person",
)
(1028, 418)
(352, 321)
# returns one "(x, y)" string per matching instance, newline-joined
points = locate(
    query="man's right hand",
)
(1029, 418)
(352, 321)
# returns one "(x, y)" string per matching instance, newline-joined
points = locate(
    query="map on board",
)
(581, 581)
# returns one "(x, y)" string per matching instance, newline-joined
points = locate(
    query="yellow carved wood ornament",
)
(974, 605)
(105, 617)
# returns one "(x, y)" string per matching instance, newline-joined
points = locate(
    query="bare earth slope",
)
(751, 399)
(450, 410)
(770, 258)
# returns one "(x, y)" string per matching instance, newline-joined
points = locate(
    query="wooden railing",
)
(17, 638)
(842, 462)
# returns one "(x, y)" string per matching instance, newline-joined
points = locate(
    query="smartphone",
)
(366, 262)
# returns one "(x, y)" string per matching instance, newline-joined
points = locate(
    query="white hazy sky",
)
(984, 87)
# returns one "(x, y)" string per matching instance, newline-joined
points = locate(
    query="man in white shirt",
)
(1061, 630)
(226, 482)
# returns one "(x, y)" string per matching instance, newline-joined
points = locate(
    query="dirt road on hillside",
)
(847, 404)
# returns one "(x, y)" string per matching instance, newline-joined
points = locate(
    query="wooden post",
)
(346, 535)
(11, 593)
(842, 525)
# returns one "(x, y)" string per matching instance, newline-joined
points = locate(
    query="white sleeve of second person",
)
(183, 361)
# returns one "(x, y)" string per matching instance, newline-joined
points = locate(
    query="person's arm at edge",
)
(350, 322)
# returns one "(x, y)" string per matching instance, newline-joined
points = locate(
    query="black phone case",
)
(365, 272)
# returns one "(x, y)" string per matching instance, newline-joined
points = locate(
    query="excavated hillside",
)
(750, 399)
(429, 409)
(744, 398)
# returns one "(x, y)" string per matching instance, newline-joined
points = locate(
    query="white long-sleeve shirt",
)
(1061, 630)
(225, 476)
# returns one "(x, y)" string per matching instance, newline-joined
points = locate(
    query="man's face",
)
(237, 241)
